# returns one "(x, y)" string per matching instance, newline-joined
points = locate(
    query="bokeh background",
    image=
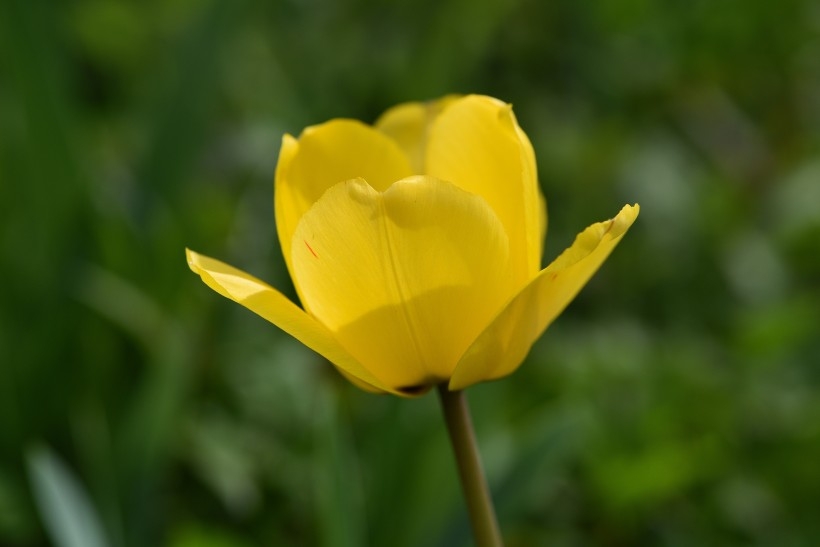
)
(675, 403)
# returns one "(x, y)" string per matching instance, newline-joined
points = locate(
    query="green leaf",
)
(63, 503)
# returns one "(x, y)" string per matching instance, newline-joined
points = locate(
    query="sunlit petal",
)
(272, 305)
(503, 346)
(405, 279)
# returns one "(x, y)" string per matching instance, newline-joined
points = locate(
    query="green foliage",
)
(64, 505)
(676, 402)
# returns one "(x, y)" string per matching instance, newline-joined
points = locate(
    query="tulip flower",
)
(414, 246)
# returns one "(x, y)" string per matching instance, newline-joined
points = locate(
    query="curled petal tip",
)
(190, 257)
(628, 214)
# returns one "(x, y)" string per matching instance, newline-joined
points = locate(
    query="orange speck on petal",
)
(311, 249)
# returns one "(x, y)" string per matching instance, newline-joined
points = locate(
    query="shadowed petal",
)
(409, 125)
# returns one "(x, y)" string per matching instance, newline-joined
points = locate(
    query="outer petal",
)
(409, 125)
(325, 155)
(405, 279)
(272, 305)
(505, 343)
(476, 144)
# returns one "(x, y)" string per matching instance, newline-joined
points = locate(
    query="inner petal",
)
(409, 125)
(405, 278)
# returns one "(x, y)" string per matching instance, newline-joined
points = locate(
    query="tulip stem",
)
(470, 470)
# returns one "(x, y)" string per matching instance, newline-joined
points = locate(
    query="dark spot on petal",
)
(414, 390)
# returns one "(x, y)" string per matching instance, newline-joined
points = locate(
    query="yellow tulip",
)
(415, 247)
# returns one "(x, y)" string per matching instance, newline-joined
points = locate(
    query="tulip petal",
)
(270, 304)
(407, 278)
(323, 156)
(409, 125)
(501, 348)
(476, 144)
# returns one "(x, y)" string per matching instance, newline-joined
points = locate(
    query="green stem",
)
(470, 470)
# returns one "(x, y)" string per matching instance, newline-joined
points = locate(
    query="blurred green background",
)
(675, 403)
